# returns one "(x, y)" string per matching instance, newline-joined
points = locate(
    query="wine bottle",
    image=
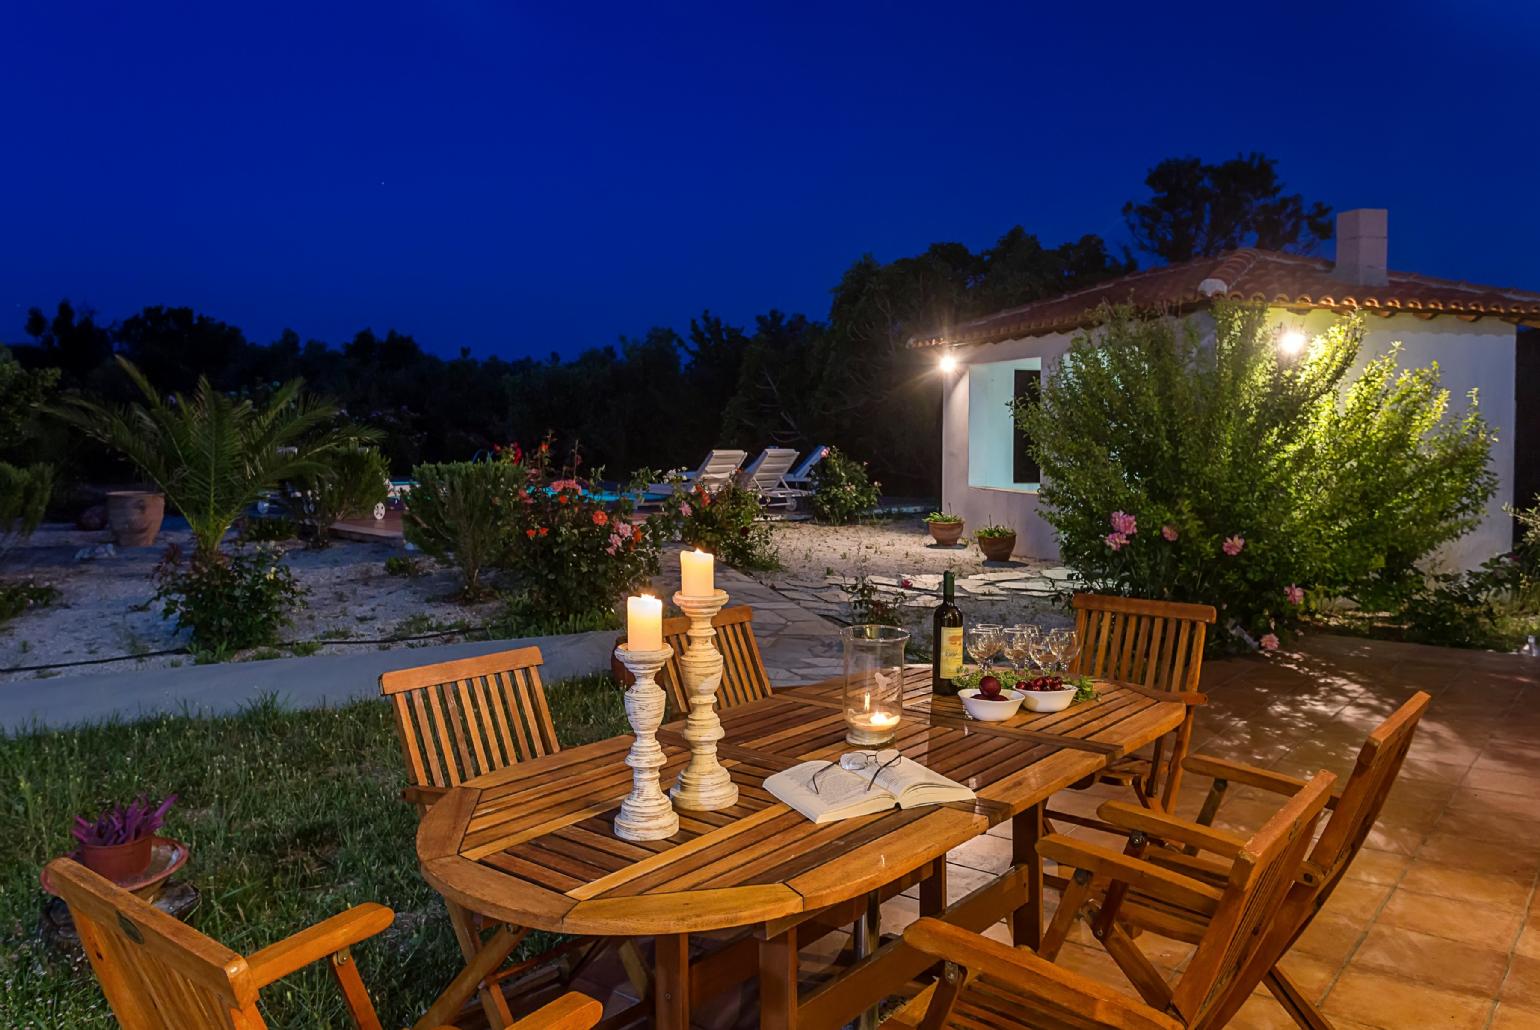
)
(946, 652)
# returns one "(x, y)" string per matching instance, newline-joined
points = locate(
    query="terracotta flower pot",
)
(946, 533)
(135, 516)
(997, 548)
(118, 862)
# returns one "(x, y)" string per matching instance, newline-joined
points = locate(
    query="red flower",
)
(600, 518)
(636, 534)
(530, 533)
(561, 498)
(544, 530)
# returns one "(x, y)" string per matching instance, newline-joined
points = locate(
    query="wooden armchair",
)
(1198, 850)
(457, 720)
(985, 983)
(1157, 645)
(158, 973)
(743, 671)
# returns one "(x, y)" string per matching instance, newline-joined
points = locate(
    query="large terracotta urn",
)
(134, 516)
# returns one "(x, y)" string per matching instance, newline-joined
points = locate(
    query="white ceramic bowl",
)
(1049, 700)
(991, 711)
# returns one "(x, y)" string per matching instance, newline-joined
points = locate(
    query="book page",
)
(913, 784)
(840, 794)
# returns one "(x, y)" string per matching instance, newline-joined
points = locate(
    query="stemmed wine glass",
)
(1020, 640)
(1062, 646)
(985, 640)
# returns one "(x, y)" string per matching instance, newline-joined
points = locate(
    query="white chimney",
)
(1362, 246)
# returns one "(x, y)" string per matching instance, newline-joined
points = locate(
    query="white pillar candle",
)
(697, 576)
(644, 623)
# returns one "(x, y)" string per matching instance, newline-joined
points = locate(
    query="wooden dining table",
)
(533, 845)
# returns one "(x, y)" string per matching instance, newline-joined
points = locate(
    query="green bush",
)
(726, 523)
(460, 512)
(23, 596)
(227, 601)
(1495, 606)
(24, 494)
(354, 480)
(267, 530)
(842, 490)
(1233, 474)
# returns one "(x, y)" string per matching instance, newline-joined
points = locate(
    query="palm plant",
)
(211, 454)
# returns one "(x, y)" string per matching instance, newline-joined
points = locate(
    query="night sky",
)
(522, 178)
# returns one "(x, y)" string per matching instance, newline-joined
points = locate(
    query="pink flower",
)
(1124, 524)
(1296, 595)
(906, 584)
(1233, 545)
(1270, 642)
(1116, 541)
(1169, 532)
(685, 510)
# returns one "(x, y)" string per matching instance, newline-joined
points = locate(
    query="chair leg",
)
(1071, 901)
(482, 960)
(354, 995)
(1294, 1001)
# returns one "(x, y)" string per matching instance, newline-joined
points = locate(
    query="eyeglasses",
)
(857, 761)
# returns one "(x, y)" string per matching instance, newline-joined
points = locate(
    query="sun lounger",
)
(717, 470)
(766, 476)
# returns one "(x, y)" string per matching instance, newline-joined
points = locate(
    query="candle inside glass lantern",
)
(874, 683)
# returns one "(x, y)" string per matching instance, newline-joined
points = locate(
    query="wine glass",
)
(984, 642)
(1019, 643)
(1063, 645)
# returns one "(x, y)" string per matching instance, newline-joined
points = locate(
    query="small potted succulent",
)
(945, 527)
(118, 844)
(997, 542)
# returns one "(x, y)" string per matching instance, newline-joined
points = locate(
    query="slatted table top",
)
(532, 844)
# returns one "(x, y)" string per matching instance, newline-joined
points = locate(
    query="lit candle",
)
(644, 623)
(697, 576)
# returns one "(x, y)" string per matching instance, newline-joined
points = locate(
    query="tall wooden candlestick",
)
(703, 785)
(645, 814)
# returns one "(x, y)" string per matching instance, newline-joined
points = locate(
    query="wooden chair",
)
(743, 671)
(158, 973)
(1190, 849)
(1157, 645)
(457, 720)
(986, 983)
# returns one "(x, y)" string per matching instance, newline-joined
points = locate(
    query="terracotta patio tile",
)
(1529, 941)
(1432, 961)
(1451, 918)
(1391, 1003)
(1520, 808)
(1509, 1017)
(1378, 866)
(1329, 939)
(986, 852)
(1357, 900)
(1313, 975)
(1261, 1012)
(1509, 858)
(1503, 782)
(1459, 882)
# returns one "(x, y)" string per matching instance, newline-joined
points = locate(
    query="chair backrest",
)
(743, 670)
(1156, 644)
(1226, 966)
(719, 468)
(158, 973)
(803, 472)
(459, 719)
(767, 471)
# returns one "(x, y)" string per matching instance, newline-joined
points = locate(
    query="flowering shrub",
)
(227, 600)
(842, 491)
(24, 595)
(726, 523)
(1231, 474)
(353, 481)
(460, 513)
(573, 556)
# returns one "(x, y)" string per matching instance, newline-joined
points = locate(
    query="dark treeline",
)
(664, 398)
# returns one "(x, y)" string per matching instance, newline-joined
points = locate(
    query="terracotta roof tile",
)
(1271, 277)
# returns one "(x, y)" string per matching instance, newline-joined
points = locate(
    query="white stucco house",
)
(1481, 336)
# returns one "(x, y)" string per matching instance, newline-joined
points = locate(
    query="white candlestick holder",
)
(703, 785)
(645, 814)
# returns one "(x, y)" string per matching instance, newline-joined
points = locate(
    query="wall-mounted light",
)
(1291, 342)
(948, 363)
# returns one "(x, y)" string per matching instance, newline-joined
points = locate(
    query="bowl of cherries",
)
(1047, 693)
(990, 701)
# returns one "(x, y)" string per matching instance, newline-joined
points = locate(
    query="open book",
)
(825, 792)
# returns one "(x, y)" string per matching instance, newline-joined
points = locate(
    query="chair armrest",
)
(1137, 873)
(1137, 818)
(1057, 988)
(314, 943)
(572, 1011)
(424, 795)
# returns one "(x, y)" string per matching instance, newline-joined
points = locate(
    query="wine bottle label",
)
(951, 651)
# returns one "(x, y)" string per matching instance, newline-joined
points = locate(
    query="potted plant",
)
(118, 843)
(134, 516)
(945, 527)
(997, 542)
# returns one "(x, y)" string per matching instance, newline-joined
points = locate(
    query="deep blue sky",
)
(521, 178)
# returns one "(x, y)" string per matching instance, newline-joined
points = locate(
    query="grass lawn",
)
(292, 816)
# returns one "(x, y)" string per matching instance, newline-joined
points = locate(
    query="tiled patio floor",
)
(1437, 924)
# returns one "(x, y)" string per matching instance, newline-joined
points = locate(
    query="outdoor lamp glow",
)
(1291, 342)
(947, 364)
